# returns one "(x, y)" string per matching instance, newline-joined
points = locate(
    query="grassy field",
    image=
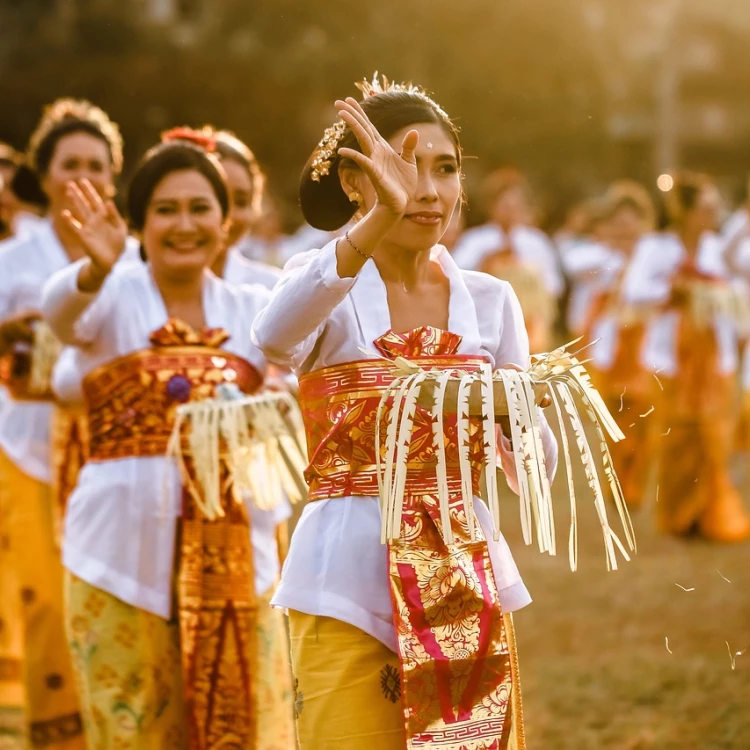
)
(595, 647)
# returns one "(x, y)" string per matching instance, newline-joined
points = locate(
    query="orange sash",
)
(456, 663)
(132, 403)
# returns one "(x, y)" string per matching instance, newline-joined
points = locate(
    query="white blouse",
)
(531, 245)
(337, 566)
(648, 280)
(592, 268)
(121, 517)
(25, 265)
(241, 270)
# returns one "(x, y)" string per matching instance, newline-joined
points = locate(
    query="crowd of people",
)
(128, 619)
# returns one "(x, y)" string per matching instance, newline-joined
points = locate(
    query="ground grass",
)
(597, 671)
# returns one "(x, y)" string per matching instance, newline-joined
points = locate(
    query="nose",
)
(185, 222)
(426, 190)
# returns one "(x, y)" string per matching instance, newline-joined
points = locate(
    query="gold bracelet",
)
(349, 240)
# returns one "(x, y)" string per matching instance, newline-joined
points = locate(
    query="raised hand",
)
(393, 174)
(97, 225)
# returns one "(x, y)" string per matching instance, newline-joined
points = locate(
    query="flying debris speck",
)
(666, 643)
(723, 576)
(648, 412)
(683, 588)
(733, 656)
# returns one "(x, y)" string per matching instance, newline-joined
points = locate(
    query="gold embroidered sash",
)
(132, 403)
(456, 662)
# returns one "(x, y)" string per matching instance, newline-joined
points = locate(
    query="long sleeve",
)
(289, 327)
(73, 315)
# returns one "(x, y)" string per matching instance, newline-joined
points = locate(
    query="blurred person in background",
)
(9, 161)
(617, 328)
(510, 248)
(583, 257)
(692, 347)
(213, 671)
(246, 183)
(74, 140)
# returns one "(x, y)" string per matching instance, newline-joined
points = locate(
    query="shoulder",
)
(242, 270)
(25, 250)
(484, 286)
(242, 297)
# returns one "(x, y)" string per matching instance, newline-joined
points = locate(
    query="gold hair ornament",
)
(329, 145)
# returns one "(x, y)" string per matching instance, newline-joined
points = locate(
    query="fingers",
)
(78, 205)
(363, 137)
(409, 145)
(367, 123)
(112, 214)
(94, 199)
(362, 161)
(71, 221)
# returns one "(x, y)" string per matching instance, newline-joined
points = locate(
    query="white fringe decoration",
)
(46, 349)
(566, 381)
(263, 438)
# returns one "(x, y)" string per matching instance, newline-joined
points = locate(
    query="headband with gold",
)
(328, 147)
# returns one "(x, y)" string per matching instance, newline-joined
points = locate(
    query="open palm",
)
(393, 175)
(100, 229)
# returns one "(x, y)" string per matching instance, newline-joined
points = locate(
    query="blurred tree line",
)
(568, 90)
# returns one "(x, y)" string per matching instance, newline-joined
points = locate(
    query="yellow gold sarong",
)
(35, 571)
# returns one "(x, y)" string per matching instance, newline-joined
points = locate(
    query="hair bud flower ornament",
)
(328, 147)
(199, 138)
(557, 375)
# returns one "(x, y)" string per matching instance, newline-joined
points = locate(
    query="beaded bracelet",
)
(349, 240)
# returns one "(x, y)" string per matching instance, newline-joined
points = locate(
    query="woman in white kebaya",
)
(510, 248)
(380, 641)
(74, 140)
(692, 347)
(175, 626)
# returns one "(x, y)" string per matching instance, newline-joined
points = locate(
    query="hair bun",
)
(324, 203)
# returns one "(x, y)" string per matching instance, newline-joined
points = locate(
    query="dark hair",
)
(685, 193)
(229, 146)
(26, 187)
(324, 203)
(66, 116)
(173, 156)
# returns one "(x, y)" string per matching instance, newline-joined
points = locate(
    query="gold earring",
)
(356, 197)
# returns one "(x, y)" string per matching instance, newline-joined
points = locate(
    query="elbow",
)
(268, 342)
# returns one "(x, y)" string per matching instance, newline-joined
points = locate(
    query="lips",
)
(426, 218)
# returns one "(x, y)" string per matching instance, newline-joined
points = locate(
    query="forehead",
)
(429, 133)
(237, 174)
(82, 144)
(183, 184)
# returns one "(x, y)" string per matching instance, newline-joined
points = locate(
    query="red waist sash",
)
(452, 642)
(132, 403)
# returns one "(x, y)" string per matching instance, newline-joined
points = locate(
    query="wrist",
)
(92, 276)
(386, 214)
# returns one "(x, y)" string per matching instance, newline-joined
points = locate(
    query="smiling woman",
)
(149, 337)
(408, 644)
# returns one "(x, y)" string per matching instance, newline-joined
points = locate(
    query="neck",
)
(409, 269)
(179, 291)
(690, 237)
(220, 263)
(66, 236)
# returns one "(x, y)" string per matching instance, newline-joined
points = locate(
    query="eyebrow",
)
(442, 157)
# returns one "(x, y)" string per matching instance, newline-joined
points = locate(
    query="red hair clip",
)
(197, 137)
